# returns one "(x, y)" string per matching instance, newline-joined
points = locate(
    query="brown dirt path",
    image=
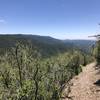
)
(83, 87)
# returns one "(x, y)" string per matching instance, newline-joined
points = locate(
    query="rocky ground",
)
(85, 86)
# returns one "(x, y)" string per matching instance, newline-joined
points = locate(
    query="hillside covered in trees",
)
(37, 68)
(46, 45)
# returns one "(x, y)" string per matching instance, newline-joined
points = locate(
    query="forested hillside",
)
(46, 45)
(83, 45)
(26, 74)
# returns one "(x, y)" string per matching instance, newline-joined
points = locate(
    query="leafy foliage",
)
(96, 52)
(26, 75)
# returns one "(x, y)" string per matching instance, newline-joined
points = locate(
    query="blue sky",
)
(63, 19)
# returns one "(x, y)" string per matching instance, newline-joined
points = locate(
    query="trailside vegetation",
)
(95, 51)
(26, 75)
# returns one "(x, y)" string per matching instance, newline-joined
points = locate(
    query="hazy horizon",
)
(67, 38)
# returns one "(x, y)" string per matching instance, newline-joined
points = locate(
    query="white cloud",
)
(2, 21)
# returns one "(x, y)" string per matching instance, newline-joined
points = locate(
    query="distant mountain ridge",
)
(45, 44)
(84, 45)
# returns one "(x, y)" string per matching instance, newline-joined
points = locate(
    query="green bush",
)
(24, 75)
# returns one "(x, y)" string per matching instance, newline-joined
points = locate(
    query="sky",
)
(62, 19)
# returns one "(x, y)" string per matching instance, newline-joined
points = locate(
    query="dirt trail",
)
(83, 87)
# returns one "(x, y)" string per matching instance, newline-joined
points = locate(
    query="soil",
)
(86, 86)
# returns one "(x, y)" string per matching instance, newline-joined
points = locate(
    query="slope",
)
(83, 45)
(84, 87)
(46, 45)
